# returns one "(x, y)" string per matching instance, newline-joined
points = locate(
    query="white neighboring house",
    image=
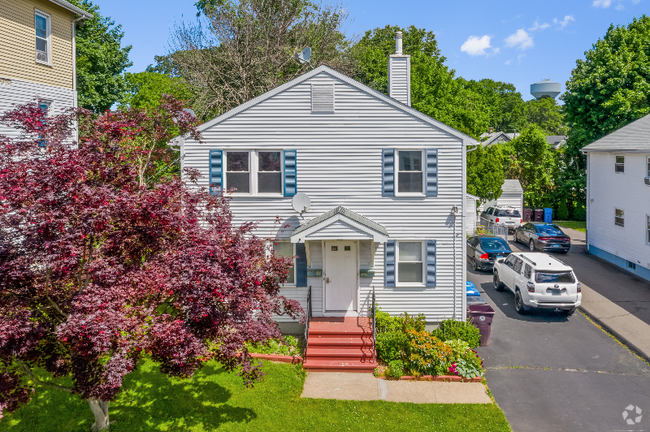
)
(386, 184)
(618, 197)
(471, 214)
(512, 195)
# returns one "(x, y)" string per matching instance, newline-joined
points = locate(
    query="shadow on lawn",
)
(153, 401)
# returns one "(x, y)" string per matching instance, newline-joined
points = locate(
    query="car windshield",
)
(554, 277)
(494, 244)
(508, 213)
(549, 230)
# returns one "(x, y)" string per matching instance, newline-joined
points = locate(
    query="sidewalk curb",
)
(631, 346)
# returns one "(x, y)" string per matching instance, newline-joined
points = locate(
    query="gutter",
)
(72, 8)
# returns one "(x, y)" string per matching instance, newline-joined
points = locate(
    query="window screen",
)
(238, 171)
(269, 175)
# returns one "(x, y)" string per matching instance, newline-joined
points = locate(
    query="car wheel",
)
(520, 307)
(531, 246)
(568, 312)
(474, 266)
(498, 285)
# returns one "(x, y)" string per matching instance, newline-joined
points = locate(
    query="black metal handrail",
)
(304, 351)
(374, 326)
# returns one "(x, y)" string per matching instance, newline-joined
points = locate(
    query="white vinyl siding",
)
(339, 162)
(43, 30)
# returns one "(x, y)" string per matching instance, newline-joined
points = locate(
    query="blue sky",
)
(514, 41)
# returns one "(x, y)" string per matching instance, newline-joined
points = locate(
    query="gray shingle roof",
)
(345, 212)
(512, 186)
(633, 137)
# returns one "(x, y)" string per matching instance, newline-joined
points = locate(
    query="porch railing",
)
(304, 351)
(374, 326)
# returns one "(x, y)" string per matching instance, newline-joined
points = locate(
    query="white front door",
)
(340, 275)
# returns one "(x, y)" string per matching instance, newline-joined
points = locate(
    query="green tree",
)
(434, 89)
(101, 60)
(146, 89)
(506, 107)
(535, 166)
(485, 173)
(546, 114)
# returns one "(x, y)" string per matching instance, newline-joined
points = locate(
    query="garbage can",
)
(471, 290)
(538, 215)
(528, 213)
(475, 300)
(481, 315)
(548, 215)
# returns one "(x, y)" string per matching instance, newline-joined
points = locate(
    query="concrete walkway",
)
(612, 297)
(365, 387)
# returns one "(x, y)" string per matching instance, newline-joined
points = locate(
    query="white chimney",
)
(399, 73)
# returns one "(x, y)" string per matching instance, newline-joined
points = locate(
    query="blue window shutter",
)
(389, 263)
(388, 172)
(290, 173)
(301, 265)
(216, 170)
(431, 263)
(432, 172)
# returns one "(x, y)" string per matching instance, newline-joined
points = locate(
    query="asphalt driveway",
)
(550, 372)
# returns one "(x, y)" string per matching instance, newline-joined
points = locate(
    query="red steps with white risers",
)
(340, 345)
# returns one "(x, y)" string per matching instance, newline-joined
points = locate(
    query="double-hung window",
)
(619, 218)
(410, 267)
(254, 172)
(619, 166)
(410, 173)
(286, 249)
(42, 22)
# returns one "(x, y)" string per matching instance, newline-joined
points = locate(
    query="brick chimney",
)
(399, 73)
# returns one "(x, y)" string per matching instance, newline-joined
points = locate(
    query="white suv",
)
(538, 280)
(508, 216)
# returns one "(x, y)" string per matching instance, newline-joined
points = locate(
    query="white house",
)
(37, 55)
(471, 213)
(386, 185)
(618, 197)
(512, 195)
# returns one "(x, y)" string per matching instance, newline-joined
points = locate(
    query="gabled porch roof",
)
(352, 226)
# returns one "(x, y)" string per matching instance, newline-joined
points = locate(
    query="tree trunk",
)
(100, 410)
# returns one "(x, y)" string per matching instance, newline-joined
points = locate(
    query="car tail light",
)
(497, 221)
(521, 221)
(530, 286)
(579, 287)
(543, 239)
(485, 256)
(566, 238)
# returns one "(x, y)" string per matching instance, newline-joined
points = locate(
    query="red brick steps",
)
(340, 345)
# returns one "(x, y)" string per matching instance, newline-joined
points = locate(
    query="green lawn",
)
(214, 400)
(576, 225)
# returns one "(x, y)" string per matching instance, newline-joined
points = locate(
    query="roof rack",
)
(559, 260)
(529, 260)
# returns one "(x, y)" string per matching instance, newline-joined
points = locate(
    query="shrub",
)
(464, 361)
(391, 346)
(404, 322)
(562, 210)
(288, 345)
(426, 355)
(465, 331)
(395, 369)
(579, 213)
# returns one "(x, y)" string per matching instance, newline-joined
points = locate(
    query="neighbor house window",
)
(45, 106)
(43, 37)
(254, 172)
(619, 166)
(647, 230)
(619, 218)
(409, 175)
(410, 267)
(285, 249)
(648, 167)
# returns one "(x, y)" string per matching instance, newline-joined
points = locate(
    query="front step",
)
(340, 352)
(339, 365)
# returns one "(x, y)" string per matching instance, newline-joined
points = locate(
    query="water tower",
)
(545, 88)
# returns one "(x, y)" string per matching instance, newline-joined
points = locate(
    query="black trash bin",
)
(538, 215)
(528, 214)
(481, 315)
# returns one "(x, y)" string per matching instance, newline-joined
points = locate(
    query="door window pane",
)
(409, 176)
(269, 177)
(409, 267)
(285, 249)
(237, 171)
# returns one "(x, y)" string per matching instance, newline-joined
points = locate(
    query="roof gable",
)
(336, 220)
(633, 137)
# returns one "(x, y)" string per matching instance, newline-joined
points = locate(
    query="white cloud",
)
(507, 62)
(602, 3)
(521, 40)
(475, 45)
(565, 22)
(620, 6)
(538, 26)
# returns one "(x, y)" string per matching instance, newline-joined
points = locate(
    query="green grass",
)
(215, 400)
(576, 225)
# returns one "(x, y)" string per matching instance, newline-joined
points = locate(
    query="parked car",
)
(539, 281)
(483, 251)
(507, 216)
(544, 236)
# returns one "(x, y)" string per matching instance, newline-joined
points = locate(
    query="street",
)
(549, 372)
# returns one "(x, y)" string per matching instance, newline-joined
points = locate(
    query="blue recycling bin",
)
(548, 215)
(471, 290)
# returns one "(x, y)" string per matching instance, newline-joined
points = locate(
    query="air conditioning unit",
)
(647, 180)
(41, 56)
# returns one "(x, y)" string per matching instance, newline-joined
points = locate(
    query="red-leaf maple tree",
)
(98, 268)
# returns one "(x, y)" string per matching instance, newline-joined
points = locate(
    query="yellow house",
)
(37, 53)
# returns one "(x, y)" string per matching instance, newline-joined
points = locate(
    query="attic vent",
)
(322, 98)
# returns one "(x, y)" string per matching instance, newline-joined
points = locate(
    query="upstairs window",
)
(269, 173)
(410, 174)
(254, 172)
(619, 218)
(43, 38)
(619, 166)
(238, 172)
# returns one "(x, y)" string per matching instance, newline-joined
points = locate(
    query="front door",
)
(340, 275)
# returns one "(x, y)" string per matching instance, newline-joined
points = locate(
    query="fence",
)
(486, 227)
